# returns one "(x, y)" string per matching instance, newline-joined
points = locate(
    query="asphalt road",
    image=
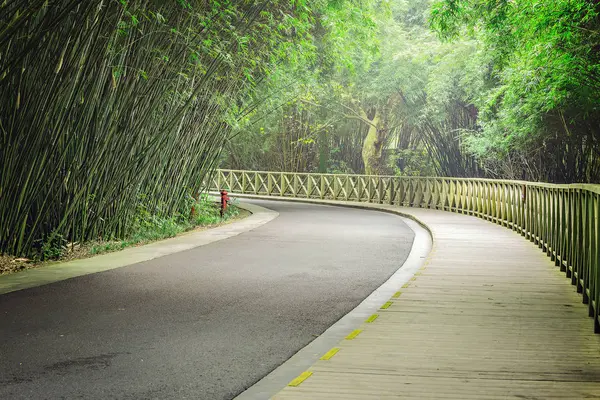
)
(201, 324)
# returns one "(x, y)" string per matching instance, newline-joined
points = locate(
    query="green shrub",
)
(149, 226)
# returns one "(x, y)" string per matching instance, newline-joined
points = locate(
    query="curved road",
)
(201, 324)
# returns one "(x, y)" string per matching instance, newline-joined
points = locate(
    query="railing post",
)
(360, 188)
(400, 191)
(554, 223)
(545, 208)
(502, 201)
(523, 212)
(295, 185)
(269, 184)
(571, 239)
(346, 187)
(219, 183)
(576, 243)
(470, 197)
(508, 204)
(537, 215)
(583, 271)
(559, 228)
(595, 265)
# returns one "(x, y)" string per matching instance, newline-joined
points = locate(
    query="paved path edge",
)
(388, 208)
(275, 381)
(65, 270)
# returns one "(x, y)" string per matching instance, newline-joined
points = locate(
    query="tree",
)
(109, 107)
(539, 111)
(383, 96)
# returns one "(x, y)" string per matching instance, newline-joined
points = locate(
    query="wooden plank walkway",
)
(489, 316)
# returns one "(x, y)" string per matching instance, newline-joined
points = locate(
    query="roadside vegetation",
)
(148, 228)
(114, 109)
(108, 104)
(464, 88)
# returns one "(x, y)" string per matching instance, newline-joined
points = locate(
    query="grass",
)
(206, 213)
(148, 228)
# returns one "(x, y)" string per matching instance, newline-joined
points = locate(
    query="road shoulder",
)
(66, 270)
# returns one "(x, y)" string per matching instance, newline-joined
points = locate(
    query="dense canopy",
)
(113, 112)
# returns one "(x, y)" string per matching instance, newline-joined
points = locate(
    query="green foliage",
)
(126, 98)
(286, 125)
(50, 248)
(113, 118)
(150, 226)
(541, 102)
(511, 90)
(376, 59)
(412, 162)
(350, 40)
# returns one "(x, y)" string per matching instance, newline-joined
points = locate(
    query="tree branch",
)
(356, 115)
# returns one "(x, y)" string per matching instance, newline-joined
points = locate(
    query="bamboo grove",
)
(393, 105)
(110, 106)
(488, 88)
(110, 109)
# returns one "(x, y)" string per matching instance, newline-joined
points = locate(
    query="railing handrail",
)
(586, 186)
(562, 219)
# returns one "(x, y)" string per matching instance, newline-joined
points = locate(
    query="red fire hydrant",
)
(224, 200)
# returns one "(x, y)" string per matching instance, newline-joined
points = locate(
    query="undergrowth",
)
(148, 224)
(148, 227)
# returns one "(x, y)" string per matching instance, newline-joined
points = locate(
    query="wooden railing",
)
(563, 220)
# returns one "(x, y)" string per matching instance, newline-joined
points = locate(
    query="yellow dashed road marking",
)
(372, 318)
(353, 334)
(386, 305)
(330, 353)
(301, 378)
(396, 295)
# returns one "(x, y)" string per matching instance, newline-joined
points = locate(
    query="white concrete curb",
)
(274, 382)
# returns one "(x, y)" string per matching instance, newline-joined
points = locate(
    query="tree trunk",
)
(372, 152)
(323, 144)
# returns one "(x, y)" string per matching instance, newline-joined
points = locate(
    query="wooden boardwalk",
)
(489, 316)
